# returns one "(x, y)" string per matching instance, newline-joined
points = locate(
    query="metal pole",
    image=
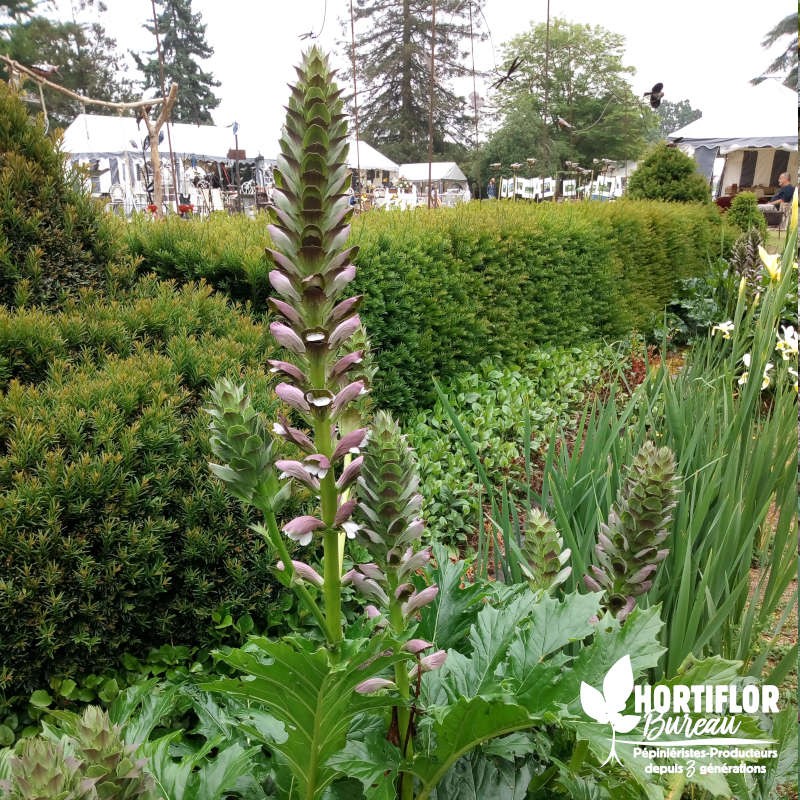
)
(430, 105)
(474, 99)
(236, 145)
(355, 96)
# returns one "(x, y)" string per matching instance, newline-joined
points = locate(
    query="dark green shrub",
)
(54, 239)
(114, 537)
(446, 288)
(744, 213)
(666, 173)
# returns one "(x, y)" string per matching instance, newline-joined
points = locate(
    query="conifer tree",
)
(393, 61)
(183, 43)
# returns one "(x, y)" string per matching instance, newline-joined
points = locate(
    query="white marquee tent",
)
(756, 136)
(443, 173)
(112, 147)
(366, 157)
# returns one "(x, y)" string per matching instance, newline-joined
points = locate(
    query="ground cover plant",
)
(550, 387)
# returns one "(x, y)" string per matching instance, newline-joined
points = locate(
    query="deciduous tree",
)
(570, 85)
(672, 116)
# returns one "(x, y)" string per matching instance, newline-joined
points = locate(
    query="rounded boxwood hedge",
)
(114, 536)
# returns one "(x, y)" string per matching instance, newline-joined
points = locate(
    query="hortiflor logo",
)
(703, 716)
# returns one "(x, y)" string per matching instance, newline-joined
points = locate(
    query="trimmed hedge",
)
(114, 536)
(446, 288)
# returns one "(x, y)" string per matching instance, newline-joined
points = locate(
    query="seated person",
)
(785, 193)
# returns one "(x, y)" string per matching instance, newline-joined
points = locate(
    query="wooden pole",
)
(163, 93)
(153, 128)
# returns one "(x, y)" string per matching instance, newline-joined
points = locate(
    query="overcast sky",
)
(704, 51)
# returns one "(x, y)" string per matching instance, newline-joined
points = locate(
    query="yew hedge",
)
(446, 288)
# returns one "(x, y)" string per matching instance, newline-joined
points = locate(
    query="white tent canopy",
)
(762, 116)
(97, 136)
(365, 156)
(756, 135)
(440, 171)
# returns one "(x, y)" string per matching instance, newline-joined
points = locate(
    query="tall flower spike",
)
(388, 513)
(239, 440)
(544, 553)
(631, 546)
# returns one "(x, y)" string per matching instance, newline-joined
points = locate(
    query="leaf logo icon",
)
(607, 706)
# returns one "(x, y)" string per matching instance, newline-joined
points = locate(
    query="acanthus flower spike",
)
(282, 285)
(294, 469)
(346, 395)
(420, 599)
(287, 310)
(343, 331)
(293, 397)
(283, 429)
(346, 307)
(303, 571)
(290, 370)
(428, 663)
(344, 363)
(350, 473)
(349, 443)
(344, 512)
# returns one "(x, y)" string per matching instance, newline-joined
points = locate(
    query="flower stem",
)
(299, 587)
(404, 733)
(333, 586)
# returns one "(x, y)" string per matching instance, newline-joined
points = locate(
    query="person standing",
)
(491, 189)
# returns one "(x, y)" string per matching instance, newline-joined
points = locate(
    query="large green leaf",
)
(478, 777)
(536, 667)
(457, 729)
(311, 695)
(371, 759)
(490, 638)
(142, 707)
(447, 619)
(637, 638)
(195, 776)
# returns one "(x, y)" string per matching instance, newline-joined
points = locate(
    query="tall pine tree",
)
(183, 43)
(393, 61)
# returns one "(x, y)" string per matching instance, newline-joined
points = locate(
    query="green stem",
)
(404, 733)
(333, 586)
(299, 587)
(328, 499)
